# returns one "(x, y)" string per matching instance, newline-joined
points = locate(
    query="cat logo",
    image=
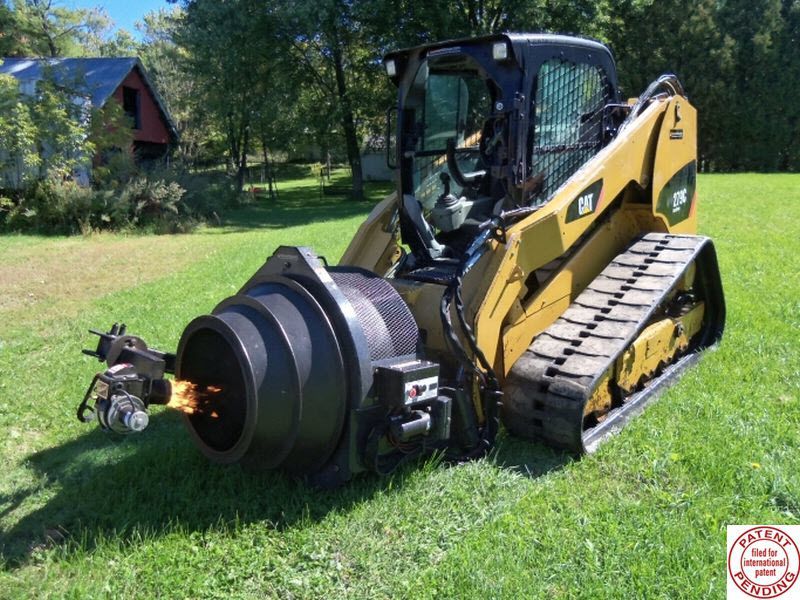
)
(586, 202)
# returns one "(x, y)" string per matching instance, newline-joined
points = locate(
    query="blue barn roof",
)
(98, 78)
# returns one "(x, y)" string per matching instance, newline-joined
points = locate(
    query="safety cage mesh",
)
(568, 121)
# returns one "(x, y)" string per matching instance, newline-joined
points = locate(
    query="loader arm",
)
(619, 189)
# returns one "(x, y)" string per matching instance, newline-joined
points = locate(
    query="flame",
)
(192, 398)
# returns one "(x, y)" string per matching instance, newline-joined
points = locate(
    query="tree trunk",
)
(348, 124)
(51, 43)
(233, 147)
(272, 188)
(238, 142)
(242, 171)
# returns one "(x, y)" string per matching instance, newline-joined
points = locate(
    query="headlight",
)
(500, 51)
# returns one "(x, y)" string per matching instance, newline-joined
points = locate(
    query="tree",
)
(19, 159)
(45, 28)
(752, 30)
(43, 135)
(170, 68)
(682, 37)
(788, 88)
(111, 137)
(279, 122)
(327, 42)
(62, 127)
(237, 72)
(408, 23)
(9, 40)
(231, 61)
(122, 43)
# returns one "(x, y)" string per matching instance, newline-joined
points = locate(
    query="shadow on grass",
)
(301, 206)
(156, 483)
(152, 483)
(531, 459)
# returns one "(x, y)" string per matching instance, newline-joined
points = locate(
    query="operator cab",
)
(489, 126)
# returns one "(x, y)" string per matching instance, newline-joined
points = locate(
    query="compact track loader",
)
(538, 264)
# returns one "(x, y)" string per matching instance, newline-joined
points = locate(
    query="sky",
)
(124, 13)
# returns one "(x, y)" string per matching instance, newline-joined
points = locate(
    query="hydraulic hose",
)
(668, 82)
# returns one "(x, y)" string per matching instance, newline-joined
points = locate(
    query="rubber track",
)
(549, 385)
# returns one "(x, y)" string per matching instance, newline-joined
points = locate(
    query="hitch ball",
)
(124, 414)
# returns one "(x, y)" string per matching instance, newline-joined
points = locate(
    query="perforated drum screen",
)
(387, 322)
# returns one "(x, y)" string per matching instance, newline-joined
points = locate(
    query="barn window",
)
(130, 105)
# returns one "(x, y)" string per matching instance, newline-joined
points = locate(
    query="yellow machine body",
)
(634, 169)
(537, 269)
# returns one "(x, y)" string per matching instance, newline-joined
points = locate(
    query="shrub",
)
(208, 195)
(151, 201)
(52, 207)
(67, 208)
(117, 167)
(162, 201)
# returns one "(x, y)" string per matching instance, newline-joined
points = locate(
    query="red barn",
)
(100, 79)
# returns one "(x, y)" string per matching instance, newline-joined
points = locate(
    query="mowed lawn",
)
(84, 514)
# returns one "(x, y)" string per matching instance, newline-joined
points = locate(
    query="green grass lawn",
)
(83, 514)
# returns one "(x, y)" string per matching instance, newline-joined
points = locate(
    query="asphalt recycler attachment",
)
(311, 369)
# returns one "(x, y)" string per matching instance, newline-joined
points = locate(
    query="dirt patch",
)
(66, 273)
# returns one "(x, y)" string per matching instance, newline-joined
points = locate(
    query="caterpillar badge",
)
(538, 264)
